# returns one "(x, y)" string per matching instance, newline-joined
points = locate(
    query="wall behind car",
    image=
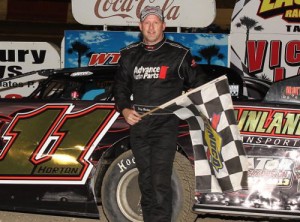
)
(46, 20)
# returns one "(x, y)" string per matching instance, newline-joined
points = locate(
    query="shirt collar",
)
(155, 46)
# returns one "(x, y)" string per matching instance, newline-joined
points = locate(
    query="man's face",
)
(152, 29)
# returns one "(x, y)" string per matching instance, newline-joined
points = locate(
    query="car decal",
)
(52, 144)
(269, 125)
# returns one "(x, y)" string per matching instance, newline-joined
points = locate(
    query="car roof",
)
(81, 72)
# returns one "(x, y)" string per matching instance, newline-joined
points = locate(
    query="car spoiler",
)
(50, 72)
(42, 72)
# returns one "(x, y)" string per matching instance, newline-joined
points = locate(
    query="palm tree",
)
(249, 24)
(209, 52)
(81, 50)
(265, 77)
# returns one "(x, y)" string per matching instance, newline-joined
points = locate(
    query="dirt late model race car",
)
(65, 150)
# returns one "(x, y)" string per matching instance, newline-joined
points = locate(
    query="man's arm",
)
(122, 93)
(193, 77)
(122, 88)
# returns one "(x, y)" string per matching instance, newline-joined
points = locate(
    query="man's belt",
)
(142, 109)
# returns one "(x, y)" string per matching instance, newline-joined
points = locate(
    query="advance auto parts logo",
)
(150, 72)
(213, 141)
(290, 10)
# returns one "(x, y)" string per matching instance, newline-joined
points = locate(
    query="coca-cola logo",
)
(126, 8)
(178, 13)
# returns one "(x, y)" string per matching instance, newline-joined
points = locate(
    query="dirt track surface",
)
(25, 217)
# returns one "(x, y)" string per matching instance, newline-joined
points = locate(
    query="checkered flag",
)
(220, 159)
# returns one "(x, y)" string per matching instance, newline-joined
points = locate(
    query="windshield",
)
(75, 89)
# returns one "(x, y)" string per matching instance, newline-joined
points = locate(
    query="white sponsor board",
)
(264, 38)
(19, 58)
(178, 13)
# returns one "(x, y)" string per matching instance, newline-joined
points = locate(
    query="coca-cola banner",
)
(178, 13)
(95, 48)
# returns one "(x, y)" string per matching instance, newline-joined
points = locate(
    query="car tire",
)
(121, 195)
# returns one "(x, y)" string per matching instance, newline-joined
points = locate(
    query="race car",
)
(65, 149)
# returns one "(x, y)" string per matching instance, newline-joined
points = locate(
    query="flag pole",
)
(206, 85)
(151, 111)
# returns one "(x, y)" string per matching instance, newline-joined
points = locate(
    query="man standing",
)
(151, 73)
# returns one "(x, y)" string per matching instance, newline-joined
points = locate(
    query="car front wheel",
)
(121, 195)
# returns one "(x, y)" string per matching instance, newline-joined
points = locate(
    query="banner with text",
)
(178, 13)
(95, 48)
(264, 39)
(19, 58)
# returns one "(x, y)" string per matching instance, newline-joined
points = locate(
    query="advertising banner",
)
(178, 13)
(19, 58)
(264, 39)
(94, 48)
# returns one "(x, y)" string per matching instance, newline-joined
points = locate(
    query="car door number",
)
(53, 143)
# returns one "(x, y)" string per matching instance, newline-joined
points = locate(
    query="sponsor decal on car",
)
(52, 144)
(269, 126)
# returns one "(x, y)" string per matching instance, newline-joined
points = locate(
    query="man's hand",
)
(131, 116)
